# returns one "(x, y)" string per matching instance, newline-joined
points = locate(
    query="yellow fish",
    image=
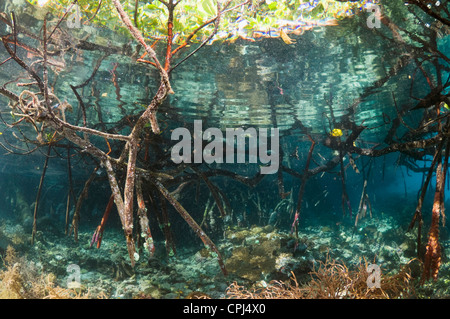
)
(286, 38)
(336, 132)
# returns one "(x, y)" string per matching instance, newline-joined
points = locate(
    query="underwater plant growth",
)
(97, 88)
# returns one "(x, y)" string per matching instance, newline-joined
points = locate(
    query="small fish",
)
(317, 203)
(336, 132)
(323, 159)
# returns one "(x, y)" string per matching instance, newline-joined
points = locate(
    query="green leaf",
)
(272, 6)
(209, 7)
(317, 10)
(190, 14)
(152, 7)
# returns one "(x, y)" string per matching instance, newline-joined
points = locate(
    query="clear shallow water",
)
(262, 84)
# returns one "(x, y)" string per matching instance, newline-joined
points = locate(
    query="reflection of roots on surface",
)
(332, 280)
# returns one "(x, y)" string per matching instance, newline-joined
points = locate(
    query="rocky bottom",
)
(254, 257)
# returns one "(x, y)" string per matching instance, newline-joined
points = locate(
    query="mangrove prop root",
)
(191, 222)
(212, 189)
(433, 257)
(138, 36)
(83, 195)
(143, 219)
(36, 205)
(302, 188)
(418, 218)
(98, 234)
(345, 199)
(163, 219)
(69, 193)
(118, 200)
(432, 260)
